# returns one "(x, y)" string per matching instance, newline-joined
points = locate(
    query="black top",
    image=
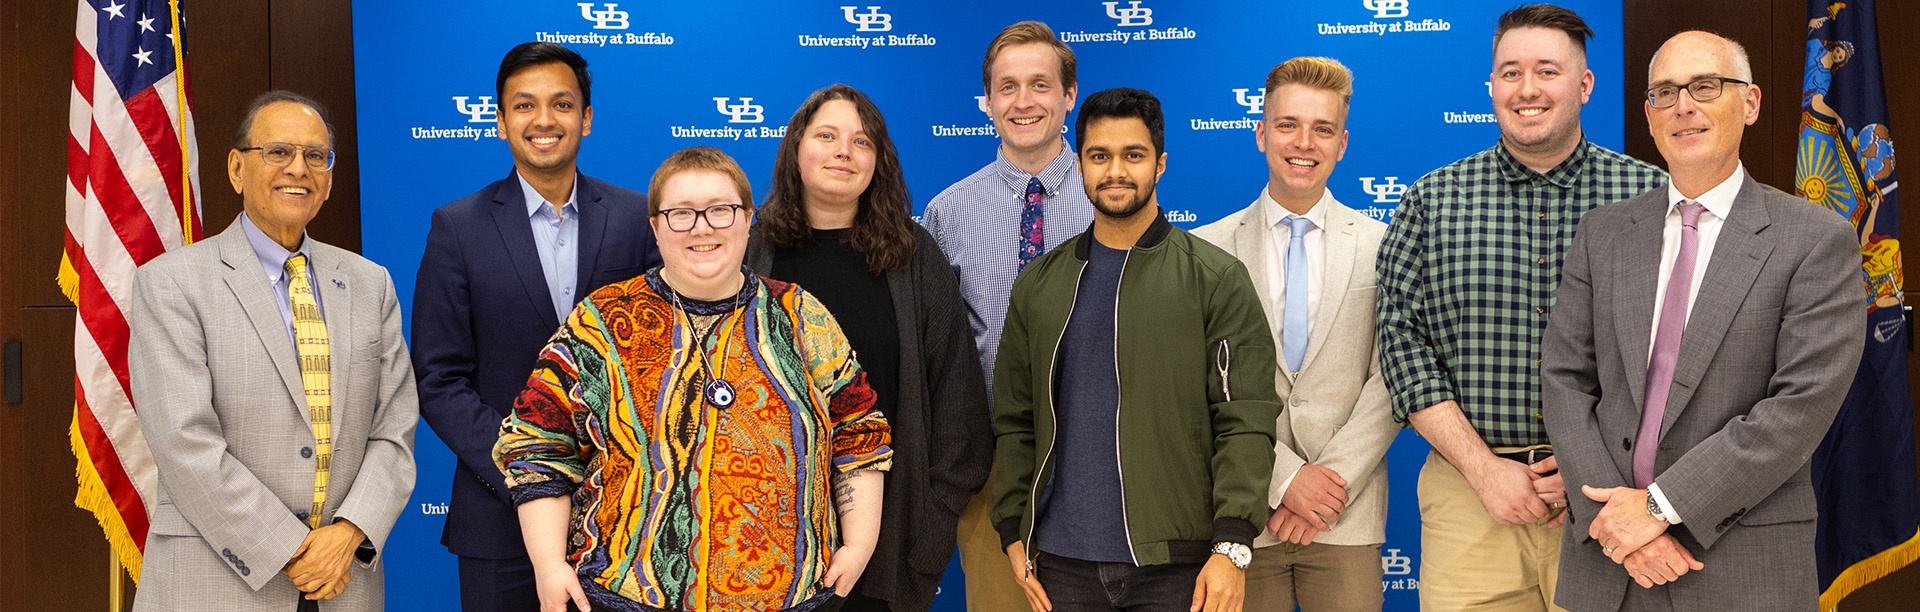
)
(830, 270)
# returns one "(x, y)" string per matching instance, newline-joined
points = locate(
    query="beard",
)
(1126, 209)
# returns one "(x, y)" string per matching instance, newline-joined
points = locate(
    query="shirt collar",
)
(1563, 175)
(1316, 215)
(1051, 177)
(273, 257)
(1719, 199)
(537, 203)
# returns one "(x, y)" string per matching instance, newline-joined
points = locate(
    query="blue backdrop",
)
(729, 73)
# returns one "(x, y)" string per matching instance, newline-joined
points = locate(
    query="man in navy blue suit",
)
(502, 269)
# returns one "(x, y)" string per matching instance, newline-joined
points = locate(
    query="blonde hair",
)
(1029, 32)
(1316, 72)
(698, 158)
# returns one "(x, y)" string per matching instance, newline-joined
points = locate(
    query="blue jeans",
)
(1086, 586)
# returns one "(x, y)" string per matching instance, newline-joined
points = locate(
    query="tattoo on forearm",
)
(843, 492)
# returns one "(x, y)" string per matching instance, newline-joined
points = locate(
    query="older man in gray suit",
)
(1701, 342)
(1321, 546)
(274, 387)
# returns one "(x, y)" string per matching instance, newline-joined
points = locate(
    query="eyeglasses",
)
(719, 216)
(279, 154)
(1703, 90)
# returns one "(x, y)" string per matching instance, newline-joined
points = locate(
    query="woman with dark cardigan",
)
(836, 223)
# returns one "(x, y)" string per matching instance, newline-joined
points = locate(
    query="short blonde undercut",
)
(698, 158)
(1316, 72)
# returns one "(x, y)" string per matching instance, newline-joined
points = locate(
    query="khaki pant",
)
(1468, 562)
(1319, 577)
(990, 585)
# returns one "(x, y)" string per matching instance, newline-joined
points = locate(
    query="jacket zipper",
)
(1120, 467)
(1053, 364)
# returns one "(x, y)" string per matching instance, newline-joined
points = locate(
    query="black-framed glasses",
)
(719, 216)
(1703, 90)
(279, 154)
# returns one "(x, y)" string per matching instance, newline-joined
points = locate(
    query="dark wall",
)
(51, 551)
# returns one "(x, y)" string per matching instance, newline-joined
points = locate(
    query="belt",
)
(1528, 456)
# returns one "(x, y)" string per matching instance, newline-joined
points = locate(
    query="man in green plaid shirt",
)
(1467, 273)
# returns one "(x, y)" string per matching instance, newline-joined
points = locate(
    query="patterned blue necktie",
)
(1033, 225)
(1293, 329)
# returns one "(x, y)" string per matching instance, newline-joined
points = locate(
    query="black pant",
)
(497, 585)
(1086, 586)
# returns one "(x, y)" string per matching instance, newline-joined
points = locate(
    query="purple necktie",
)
(1033, 225)
(1666, 344)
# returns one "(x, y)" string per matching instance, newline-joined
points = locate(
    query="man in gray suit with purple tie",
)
(1702, 339)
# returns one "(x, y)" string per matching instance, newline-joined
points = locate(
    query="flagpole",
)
(180, 103)
(116, 595)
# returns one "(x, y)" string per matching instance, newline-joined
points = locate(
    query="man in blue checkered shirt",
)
(1467, 274)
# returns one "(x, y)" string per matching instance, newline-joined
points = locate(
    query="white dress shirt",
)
(1316, 244)
(1719, 203)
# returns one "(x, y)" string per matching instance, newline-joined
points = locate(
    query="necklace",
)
(718, 392)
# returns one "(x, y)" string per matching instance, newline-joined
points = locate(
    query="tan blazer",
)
(217, 383)
(1336, 413)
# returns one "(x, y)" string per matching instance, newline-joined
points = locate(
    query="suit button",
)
(1626, 444)
(302, 515)
(1299, 401)
(306, 452)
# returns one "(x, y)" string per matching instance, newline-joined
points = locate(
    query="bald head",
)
(1732, 58)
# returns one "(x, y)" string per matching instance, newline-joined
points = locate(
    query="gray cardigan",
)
(942, 434)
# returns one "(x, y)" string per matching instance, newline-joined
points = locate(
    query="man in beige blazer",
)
(274, 387)
(1321, 548)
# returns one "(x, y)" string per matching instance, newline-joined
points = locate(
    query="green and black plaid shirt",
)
(1467, 273)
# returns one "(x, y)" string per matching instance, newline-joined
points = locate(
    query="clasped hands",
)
(319, 566)
(1635, 539)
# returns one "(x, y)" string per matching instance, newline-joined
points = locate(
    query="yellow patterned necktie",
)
(316, 375)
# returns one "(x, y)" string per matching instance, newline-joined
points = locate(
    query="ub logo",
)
(609, 18)
(478, 112)
(1386, 9)
(1255, 104)
(871, 21)
(1384, 193)
(1395, 564)
(744, 112)
(983, 104)
(1132, 16)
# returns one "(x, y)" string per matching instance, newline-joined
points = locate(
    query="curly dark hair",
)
(882, 230)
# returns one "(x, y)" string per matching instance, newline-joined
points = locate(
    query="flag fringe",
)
(1868, 570)
(93, 497)
(68, 279)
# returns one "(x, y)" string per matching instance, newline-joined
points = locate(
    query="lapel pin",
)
(339, 285)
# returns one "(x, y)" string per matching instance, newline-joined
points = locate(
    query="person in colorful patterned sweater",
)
(675, 443)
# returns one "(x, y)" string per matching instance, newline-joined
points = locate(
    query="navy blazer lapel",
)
(1738, 255)
(593, 230)
(257, 299)
(1636, 278)
(336, 306)
(510, 217)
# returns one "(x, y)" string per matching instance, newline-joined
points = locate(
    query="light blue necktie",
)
(1293, 329)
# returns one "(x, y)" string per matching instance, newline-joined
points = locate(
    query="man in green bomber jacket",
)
(1135, 403)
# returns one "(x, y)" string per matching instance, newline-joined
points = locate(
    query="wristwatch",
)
(1653, 508)
(1236, 552)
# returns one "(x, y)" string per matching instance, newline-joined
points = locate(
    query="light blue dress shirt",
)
(556, 236)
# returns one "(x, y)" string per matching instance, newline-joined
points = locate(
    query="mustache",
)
(1109, 182)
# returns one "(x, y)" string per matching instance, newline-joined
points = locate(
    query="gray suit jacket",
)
(1769, 351)
(217, 384)
(1335, 414)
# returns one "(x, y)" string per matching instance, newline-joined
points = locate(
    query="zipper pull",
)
(1223, 361)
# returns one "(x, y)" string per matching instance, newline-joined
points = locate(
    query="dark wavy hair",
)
(882, 228)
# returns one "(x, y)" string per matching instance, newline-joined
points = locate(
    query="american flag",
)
(132, 194)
